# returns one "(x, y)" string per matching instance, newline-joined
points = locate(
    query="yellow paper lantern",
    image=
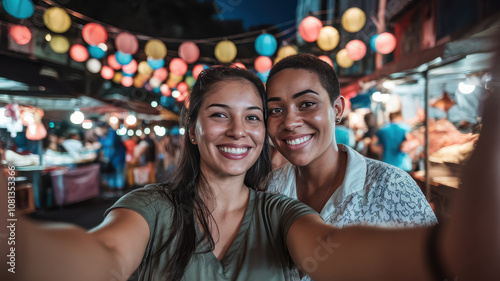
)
(56, 19)
(353, 19)
(144, 68)
(343, 59)
(328, 38)
(225, 51)
(284, 52)
(59, 44)
(118, 78)
(156, 49)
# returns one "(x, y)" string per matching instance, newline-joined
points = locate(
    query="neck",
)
(225, 194)
(318, 174)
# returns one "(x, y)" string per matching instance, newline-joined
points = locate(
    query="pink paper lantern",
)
(126, 43)
(239, 65)
(356, 49)
(182, 87)
(79, 53)
(326, 59)
(94, 34)
(127, 81)
(36, 131)
(385, 43)
(20, 34)
(107, 72)
(197, 69)
(165, 90)
(161, 74)
(263, 64)
(178, 66)
(189, 52)
(130, 68)
(113, 62)
(309, 28)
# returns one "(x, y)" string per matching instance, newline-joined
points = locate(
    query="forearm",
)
(62, 252)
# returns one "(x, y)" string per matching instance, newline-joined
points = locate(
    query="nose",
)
(236, 129)
(291, 120)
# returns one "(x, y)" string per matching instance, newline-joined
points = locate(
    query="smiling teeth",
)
(298, 141)
(235, 151)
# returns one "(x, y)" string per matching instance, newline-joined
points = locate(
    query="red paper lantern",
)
(161, 74)
(189, 52)
(385, 43)
(356, 49)
(326, 59)
(127, 81)
(94, 34)
(197, 69)
(183, 96)
(309, 28)
(107, 72)
(130, 68)
(20, 34)
(178, 66)
(79, 53)
(239, 65)
(165, 90)
(263, 64)
(36, 131)
(126, 43)
(113, 62)
(182, 87)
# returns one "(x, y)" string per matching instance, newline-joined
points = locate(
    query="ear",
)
(339, 106)
(191, 134)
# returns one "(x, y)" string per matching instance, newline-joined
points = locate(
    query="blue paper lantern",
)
(372, 42)
(123, 58)
(96, 52)
(20, 9)
(127, 74)
(156, 90)
(263, 75)
(156, 63)
(266, 45)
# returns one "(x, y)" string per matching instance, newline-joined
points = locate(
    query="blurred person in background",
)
(367, 138)
(112, 157)
(170, 149)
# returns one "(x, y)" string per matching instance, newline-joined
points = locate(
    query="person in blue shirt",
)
(113, 156)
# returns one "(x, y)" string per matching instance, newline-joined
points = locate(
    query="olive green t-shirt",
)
(258, 252)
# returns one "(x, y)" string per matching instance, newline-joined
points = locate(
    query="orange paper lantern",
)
(385, 43)
(356, 49)
(178, 66)
(161, 74)
(79, 53)
(94, 34)
(20, 34)
(107, 72)
(263, 64)
(189, 52)
(309, 28)
(36, 131)
(197, 69)
(113, 62)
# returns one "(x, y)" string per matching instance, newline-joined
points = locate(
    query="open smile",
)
(298, 142)
(234, 153)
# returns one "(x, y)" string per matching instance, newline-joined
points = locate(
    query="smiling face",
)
(229, 130)
(301, 120)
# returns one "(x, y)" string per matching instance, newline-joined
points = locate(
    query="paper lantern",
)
(130, 68)
(155, 64)
(356, 49)
(139, 81)
(238, 65)
(343, 59)
(20, 9)
(197, 69)
(182, 97)
(172, 83)
(263, 64)
(182, 87)
(160, 74)
(372, 42)
(154, 82)
(178, 66)
(309, 28)
(385, 43)
(326, 59)
(93, 65)
(123, 58)
(165, 90)
(127, 81)
(57, 19)
(94, 34)
(107, 72)
(59, 44)
(156, 49)
(96, 52)
(20, 34)
(189, 52)
(126, 43)
(266, 45)
(328, 38)
(78, 53)
(118, 77)
(284, 52)
(144, 68)
(353, 19)
(190, 81)
(225, 51)
(263, 75)
(113, 63)
(36, 131)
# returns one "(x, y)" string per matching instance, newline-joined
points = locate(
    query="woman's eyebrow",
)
(227, 106)
(295, 95)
